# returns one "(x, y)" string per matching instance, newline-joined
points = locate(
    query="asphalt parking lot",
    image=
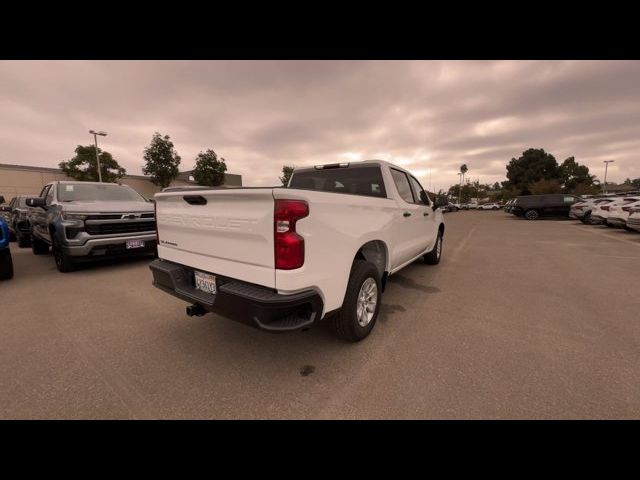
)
(520, 320)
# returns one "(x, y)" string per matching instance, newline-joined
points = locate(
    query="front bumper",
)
(244, 302)
(111, 246)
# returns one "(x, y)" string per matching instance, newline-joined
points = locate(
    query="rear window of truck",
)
(354, 180)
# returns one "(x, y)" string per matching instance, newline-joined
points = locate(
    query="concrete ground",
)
(520, 320)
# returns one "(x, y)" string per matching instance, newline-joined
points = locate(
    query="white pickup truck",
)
(283, 258)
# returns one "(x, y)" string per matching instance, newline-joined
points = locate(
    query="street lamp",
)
(95, 138)
(606, 167)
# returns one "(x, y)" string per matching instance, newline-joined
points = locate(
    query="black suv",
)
(533, 207)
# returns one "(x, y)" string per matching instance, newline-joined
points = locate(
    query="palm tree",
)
(463, 169)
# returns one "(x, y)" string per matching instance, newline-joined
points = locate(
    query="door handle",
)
(406, 214)
(426, 214)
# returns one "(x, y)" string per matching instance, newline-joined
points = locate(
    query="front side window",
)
(419, 192)
(402, 184)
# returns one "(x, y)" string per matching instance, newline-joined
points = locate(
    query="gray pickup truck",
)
(89, 220)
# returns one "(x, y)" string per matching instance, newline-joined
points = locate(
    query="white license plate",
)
(205, 282)
(135, 244)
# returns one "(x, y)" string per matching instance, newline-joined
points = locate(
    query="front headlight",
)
(73, 216)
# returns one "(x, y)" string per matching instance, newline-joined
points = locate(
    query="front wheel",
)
(531, 215)
(361, 303)
(64, 263)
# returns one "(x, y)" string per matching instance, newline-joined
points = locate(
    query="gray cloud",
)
(430, 116)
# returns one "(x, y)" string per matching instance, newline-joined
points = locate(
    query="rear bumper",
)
(616, 221)
(244, 302)
(633, 224)
(597, 219)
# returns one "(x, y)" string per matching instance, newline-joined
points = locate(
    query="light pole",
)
(606, 167)
(95, 138)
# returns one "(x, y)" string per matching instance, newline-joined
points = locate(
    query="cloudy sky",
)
(429, 116)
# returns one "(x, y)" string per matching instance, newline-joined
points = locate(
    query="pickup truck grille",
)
(118, 228)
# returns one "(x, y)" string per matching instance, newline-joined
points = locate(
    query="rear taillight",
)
(155, 218)
(626, 209)
(579, 207)
(289, 246)
(605, 207)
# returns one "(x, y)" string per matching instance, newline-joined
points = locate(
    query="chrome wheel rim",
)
(439, 247)
(367, 301)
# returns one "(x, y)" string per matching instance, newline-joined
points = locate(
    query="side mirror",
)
(5, 208)
(439, 202)
(35, 202)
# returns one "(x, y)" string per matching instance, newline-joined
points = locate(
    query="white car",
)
(489, 206)
(281, 259)
(582, 210)
(618, 214)
(633, 221)
(602, 211)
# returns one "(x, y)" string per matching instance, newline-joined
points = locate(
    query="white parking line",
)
(596, 232)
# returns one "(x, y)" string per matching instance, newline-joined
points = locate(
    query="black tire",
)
(531, 214)
(433, 257)
(12, 236)
(586, 218)
(23, 240)
(6, 265)
(345, 323)
(64, 263)
(38, 247)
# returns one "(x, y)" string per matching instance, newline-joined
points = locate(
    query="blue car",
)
(6, 264)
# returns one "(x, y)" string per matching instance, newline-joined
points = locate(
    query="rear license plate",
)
(135, 244)
(205, 282)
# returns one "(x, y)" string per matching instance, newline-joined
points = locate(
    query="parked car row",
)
(621, 211)
(616, 211)
(83, 221)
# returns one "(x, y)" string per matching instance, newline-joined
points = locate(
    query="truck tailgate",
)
(226, 232)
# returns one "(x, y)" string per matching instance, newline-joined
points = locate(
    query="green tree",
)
(83, 165)
(533, 165)
(287, 170)
(573, 174)
(545, 186)
(209, 169)
(161, 160)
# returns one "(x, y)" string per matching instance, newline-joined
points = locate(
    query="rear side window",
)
(355, 180)
(402, 184)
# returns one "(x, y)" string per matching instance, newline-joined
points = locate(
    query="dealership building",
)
(28, 180)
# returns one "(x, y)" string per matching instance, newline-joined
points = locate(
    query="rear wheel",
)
(361, 303)
(6, 264)
(38, 247)
(23, 240)
(64, 263)
(531, 214)
(433, 257)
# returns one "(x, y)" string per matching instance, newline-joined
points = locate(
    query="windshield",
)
(79, 192)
